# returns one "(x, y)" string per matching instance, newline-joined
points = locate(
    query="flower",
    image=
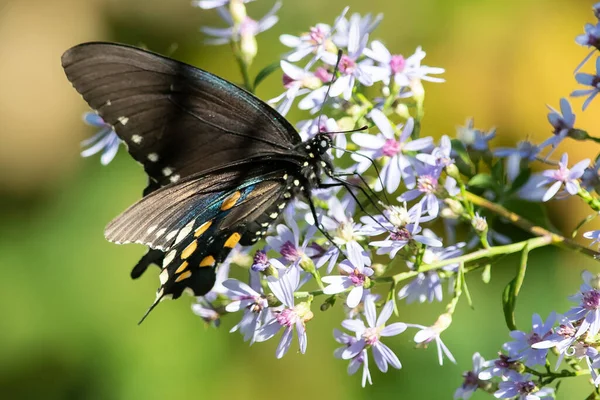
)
(287, 242)
(208, 4)
(563, 176)
(588, 309)
(298, 82)
(357, 278)
(474, 138)
(588, 80)
(426, 286)
(593, 235)
(521, 348)
(525, 151)
(288, 316)
(471, 379)
(396, 152)
(356, 361)
(252, 300)
(204, 307)
(563, 123)
(591, 177)
(362, 25)
(562, 338)
(440, 156)
(591, 38)
(502, 367)
(432, 333)
(370, 337)
(247, 29)
(105, 141)
(523, 388)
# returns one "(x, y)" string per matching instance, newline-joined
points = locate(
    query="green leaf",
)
(508, 305)
(265, 72)
(482, 181)
(463, 155)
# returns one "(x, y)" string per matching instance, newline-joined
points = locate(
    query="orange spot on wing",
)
(189, 250)
(233, 240)
(203, 228)
(182, 267)
(207, 261)
(230, 201)
(183, 276)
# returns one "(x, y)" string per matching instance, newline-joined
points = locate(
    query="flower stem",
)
(517, 220)
(235, 47)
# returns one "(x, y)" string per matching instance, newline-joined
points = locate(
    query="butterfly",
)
(221, 164)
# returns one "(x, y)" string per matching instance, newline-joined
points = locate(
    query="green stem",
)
(235, 47)
(517, 220)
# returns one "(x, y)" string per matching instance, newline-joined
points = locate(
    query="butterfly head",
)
(321, 143)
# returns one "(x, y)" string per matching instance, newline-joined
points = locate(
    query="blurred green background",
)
(68, 310)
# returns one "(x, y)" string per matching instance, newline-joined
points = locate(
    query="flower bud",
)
(452, 171)
(418, 91)
(248, 47)
(455, 206)
(378, 269)
(595, 282)
(402, 110)
(479, 223)
(238, 11)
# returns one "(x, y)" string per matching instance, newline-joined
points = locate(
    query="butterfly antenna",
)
(158, 299)
(333, 79)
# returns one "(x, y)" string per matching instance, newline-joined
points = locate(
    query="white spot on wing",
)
(164, 276)
(174, 178)
(151, 229)
(172, 234)
(124, 121)
(137, 139)
(169, 257)
(167, 171)
(108, 103)
(161, 232)
(153, 157)
(185, 231)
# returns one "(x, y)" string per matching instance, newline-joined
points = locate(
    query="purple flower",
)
(397, 165)
(370, 337)
(287, 242)
(288, 316)
(357, 277)
(562, 337)
(252, 300)
(440, 156)
(588, 80)
(525, 151)
(588, 310)
(418, 72)
(428, 186)
(208, 4)
(394, 65)
(502, 367)
(316, 41)
(522, 387)
(298, 82)
(362, 27)
(105, 141)
(521, 348)
(427, 334)
(474, 138)
(593, 235)
(471, 379)
(591, 177)
(247, 28)
(401, 236)
(564, 176)
(355, 362)
(204, 307)
(426, 286)
(563, 123)
(591, 38)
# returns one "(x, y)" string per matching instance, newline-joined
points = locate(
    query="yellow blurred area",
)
(68, 310)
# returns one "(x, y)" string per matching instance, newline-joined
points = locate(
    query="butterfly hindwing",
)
(176, 120)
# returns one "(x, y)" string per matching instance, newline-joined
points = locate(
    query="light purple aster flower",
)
(204, 305)
(398, 163)
(252, 300)
(297, 82)
(356, 277)
(440, 157)
(401, 236)
(287, 242)
(564, 176)
(105, 141)
(288, 316)
(429, 189)
(427, 334)
(591, 38)
(316, 41)
(471, 379)
(426, 286)
(370, 337)
(209, 4)
(355, 362)
(588, 310)
(521, 387)
(474, 138)
(362, 25)
(563, 123)
(501, 367)
(521, 347)
(415, 71)
(393, 218)
(588, 80)
(525, 151)
(594, 236)
(591, 177)
(394, 65)
(248, 27)
(563, 338)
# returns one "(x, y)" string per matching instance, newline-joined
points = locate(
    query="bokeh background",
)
(68, 310)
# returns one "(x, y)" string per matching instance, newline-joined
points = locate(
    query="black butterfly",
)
(221, 163)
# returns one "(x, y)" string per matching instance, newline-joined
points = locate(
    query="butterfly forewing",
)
(176, 120)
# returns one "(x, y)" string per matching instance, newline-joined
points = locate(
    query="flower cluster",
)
(387, 224)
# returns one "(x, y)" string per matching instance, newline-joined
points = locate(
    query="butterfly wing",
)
(176, 120)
